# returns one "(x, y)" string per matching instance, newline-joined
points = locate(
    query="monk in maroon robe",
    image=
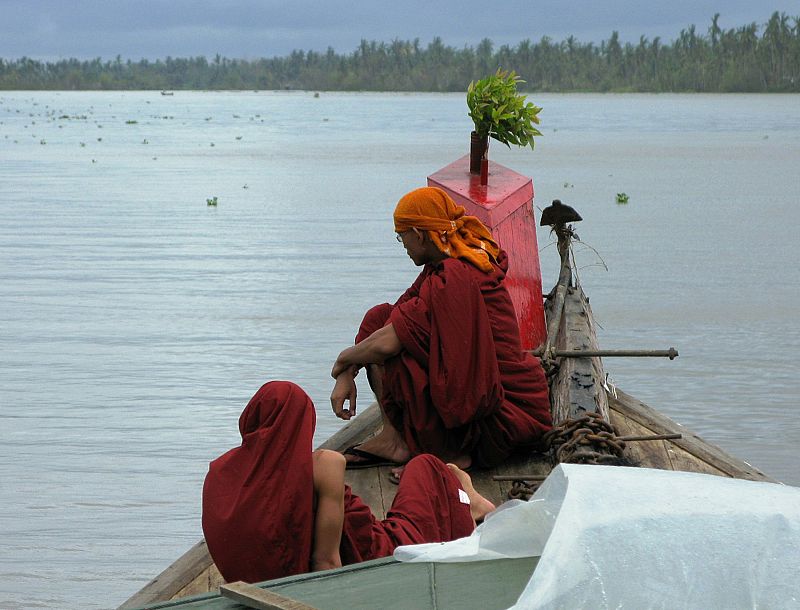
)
(272, 508)
(445, 361)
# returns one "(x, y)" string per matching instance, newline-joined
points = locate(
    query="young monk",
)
(272, 508)
(445, 361)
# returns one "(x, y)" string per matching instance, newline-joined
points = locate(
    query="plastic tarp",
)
(617, 537)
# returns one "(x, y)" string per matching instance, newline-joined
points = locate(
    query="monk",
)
(273, 508)
(445, 361)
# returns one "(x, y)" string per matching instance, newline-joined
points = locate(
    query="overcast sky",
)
(53, 29)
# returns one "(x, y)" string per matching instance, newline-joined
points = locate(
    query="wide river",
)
(137, 320)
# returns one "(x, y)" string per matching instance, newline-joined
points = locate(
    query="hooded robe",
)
(258, 498)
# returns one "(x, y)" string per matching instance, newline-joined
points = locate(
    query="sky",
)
(249, 29)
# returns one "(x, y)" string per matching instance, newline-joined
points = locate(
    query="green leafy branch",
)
(500, 112)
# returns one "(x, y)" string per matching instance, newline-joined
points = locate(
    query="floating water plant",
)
(131, 122)
(622, 198)
(212, 201)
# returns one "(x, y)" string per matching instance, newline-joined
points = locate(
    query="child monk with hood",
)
(273, 508)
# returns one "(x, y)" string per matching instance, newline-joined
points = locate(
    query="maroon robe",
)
(427, 508)
(258, 515)
(462, 384)
(258, 498)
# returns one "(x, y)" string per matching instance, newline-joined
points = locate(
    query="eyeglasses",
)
(399, 236)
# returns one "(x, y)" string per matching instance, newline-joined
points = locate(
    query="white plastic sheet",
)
(615, 537)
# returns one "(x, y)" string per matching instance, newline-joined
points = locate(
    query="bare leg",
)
(479, 506)
(462, 461)
(328, 479)
(388, 443)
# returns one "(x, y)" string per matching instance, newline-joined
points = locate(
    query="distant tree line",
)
(748, 58)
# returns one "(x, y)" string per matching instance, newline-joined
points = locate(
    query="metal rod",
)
(653, 437)
(670, 353)
(518, 477)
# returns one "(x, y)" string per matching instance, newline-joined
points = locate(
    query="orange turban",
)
(454, 233)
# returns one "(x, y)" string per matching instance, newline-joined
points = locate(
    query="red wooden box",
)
(505, 205)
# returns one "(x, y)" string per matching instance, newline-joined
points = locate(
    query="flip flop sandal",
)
(365, 459)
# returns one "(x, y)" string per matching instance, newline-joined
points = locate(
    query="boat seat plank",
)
(260, 599)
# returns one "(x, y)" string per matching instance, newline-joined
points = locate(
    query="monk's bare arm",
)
(329, 491)
(345, 390)
(375, 349)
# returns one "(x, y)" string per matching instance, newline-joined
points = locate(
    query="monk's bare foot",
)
(462, 461)
(386, 445)
(396, 473)
(478, 505)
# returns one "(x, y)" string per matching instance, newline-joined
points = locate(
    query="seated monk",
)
(445, 361)
(273, 508)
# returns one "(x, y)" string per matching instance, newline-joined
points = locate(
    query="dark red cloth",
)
(257, 498)
(462, 384)
(427, 508)
(258, 516)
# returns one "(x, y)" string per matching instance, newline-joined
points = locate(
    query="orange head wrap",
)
(456, 235)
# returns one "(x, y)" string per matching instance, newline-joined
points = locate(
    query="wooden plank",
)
(649, 454)
(365, 424)
(203, 583)
(660, 424)
(536, 464)
(184, 571)
(486, 486)
(388, 489)
(260, 599)
(577, 387)
(214, 578)
(366, 485)
(685, 461)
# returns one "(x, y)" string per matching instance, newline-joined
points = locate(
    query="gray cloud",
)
(48, 29)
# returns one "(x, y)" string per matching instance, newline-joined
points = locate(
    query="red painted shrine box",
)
(505, 205)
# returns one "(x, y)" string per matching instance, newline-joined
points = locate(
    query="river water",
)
(137, 320)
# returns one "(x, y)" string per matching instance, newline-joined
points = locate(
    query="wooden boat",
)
(580, 397)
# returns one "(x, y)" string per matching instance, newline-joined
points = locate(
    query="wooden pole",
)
(260, 599)
(670, 353)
